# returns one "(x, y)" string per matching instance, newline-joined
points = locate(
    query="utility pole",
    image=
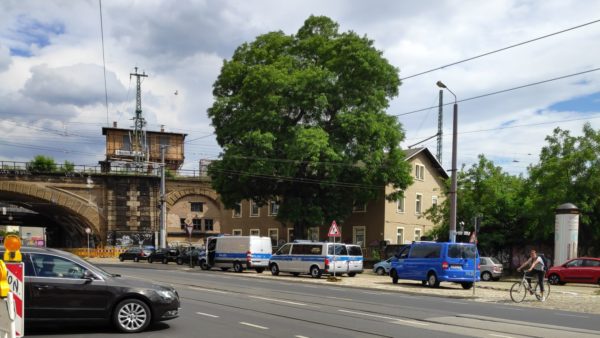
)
(138, 139)
(440, 124)
(163, 205)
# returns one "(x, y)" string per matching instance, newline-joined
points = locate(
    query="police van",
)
(237, 252)
(435, 262)
(314, 258)
(355, 259)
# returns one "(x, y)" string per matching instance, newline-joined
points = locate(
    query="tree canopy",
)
(301, 118)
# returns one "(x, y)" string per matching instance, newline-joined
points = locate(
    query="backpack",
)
(546, 262)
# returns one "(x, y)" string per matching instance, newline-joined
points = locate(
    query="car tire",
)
(165, 260)
(131, 316)
(380, 271)
(432, 280)
(424, 282)
(121, 258)
(486, 276)
(150, 260)
(179, 261)
(315, 272)
(394, 275)
(136, 259)
(204, 265)
(554, 279)
(351, 274)
(466, 285)
(237, 267)
(274, 270)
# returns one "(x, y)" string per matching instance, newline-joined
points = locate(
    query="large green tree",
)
(302, 118)
(568, 172)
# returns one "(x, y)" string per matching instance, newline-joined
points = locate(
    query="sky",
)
(52, 84)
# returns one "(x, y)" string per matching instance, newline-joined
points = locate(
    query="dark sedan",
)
(135, 254)
(184, 256)
(164, 256)
(60, 286)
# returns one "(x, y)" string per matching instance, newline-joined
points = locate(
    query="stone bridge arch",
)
(174, 196)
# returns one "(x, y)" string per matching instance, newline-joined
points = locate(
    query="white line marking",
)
(499, 335)
(297, 336)
(277, 300)
(510, 308)
(207, 290)
(340, 298)
(375, 293)
(206, 314)
(455, 302)
(384, 317)
(254, 325)
(568, 315)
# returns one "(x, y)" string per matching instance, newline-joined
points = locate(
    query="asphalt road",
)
(217, 304)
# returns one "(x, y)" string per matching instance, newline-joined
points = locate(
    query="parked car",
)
(164, 256)
(491, 269)
(60, 286)
(392, 250)
(383, 267)
(435, 262)
(578, 270)
(184, 256)
(135, 254)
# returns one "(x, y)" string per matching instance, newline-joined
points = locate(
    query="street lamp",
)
(453, 185)
(88, 231)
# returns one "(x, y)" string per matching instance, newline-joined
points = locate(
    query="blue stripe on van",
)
(243, 255)
(312, 258)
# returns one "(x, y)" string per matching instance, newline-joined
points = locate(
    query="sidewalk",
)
(583, 298)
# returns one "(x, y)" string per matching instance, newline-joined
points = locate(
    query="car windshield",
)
(462, 251)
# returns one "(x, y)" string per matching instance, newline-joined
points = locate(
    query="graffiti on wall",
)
(129, 238)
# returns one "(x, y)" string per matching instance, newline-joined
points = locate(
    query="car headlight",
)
(166, 295)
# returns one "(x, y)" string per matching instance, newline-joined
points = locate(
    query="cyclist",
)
(536, 264)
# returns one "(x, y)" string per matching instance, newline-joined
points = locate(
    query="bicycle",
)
(519, 290)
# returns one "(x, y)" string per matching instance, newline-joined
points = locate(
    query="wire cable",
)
(500, 50)
(104, 63)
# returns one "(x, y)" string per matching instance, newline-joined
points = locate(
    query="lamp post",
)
(453, 184)
(88, 231)
(163, 205)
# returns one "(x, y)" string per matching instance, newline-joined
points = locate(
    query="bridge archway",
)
(197, 206)
(65, 214)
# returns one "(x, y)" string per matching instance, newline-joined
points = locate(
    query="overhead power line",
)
(104, 62)
(503, 91)
(500, 50)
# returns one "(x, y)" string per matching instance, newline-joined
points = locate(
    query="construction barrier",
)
(96, 252)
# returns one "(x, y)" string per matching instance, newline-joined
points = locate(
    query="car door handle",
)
(42, 287)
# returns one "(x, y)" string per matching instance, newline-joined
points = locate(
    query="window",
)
(359, 207)
(307, 249)
(126, 143)
(417, 234)
(400, 205)
(290, 235)
(399, 235)
(575, 263)
(196, 206)
(284, 250)
(313, 233)
(56, 267)
(340, 250)
(418, 203)
(163, 141)
(237, 232)
(419, 172)
(208, 225)
(274, 235)
(591, 262)
(254, 209)
(359, 235)
(237, 210)
(426, 251)
(273, 208)
(462, 251)
(434, 200)
(254, 232)
(196, 222)
(182, 223)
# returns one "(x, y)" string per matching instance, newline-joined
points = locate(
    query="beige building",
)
(396, 222)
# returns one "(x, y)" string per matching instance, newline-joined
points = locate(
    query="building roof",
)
(105, 129)
(412, 152)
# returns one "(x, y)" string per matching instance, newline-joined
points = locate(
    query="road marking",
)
(376, 293)
(207, 290)
(206, 314)
(277, 300)
(384, 317)
(455, 302)
(340, 298)
(499, 335)
(254, 325)
(300, 336)
(568, 315)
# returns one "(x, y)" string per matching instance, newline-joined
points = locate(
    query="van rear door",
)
(355, 260)
(462, 260)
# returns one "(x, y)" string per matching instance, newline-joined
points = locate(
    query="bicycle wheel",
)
(538, 292)
(518, 292)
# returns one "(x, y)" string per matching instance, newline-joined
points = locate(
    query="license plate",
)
(456, 266)
(469, 273)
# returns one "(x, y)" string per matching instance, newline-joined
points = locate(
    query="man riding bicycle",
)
(536, 264)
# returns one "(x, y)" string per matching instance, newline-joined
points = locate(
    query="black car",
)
(135, 254)
(60, 286)
(184, 256)
(164, 255)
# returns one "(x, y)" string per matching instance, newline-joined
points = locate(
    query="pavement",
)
(583, 298)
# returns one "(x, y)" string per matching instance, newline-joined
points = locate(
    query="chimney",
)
(162, 128)
(114, 124)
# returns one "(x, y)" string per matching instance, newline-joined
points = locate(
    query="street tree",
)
(302, 119)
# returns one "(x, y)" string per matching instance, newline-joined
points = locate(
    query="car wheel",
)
(466, 285)
(315, 272)
(351, 274)
(132, 315)
(486, 276)
(150, 259)
(121, 258)
(237, 267)
(554, 279)
(432, 280)
(136, 259)
(203, 265)
(274, 270)
(179, 261)
(423, 282)
(380, 271)
(394, 275)
(165, 260)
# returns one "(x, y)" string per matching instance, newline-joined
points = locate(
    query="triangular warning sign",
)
(334, 231)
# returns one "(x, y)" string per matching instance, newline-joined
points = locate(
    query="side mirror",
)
(88, 275)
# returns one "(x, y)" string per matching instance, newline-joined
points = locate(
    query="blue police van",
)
(435, 262)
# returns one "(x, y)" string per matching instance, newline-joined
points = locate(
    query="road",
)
(217, 304)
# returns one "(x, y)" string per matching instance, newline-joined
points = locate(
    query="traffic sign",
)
(17, 287)
(334, 231)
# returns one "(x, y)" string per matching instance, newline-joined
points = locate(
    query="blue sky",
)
(52, 76)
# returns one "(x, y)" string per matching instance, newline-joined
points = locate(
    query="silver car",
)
(491, 269)
(383, 267)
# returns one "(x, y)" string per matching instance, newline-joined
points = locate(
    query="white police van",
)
(314, 258)
(237, 252)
